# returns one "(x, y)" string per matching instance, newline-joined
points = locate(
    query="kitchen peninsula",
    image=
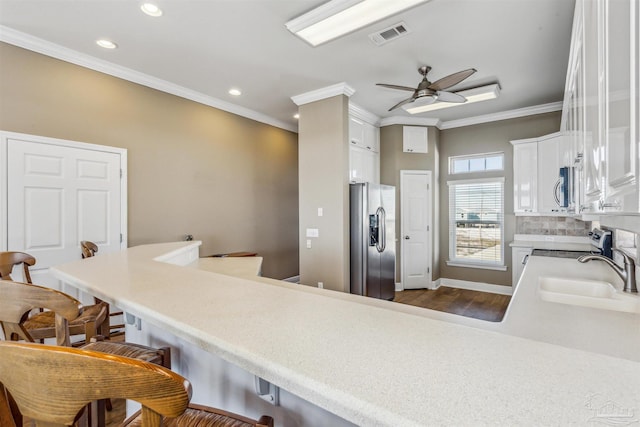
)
(363, 361)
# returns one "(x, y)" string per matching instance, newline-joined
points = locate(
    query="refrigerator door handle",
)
(382, 230)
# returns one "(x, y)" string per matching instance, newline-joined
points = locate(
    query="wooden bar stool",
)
(93, 320)
(8, 260)
(17, 299)
(40, 378)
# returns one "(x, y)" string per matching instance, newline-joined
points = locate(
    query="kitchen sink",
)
(587, 293)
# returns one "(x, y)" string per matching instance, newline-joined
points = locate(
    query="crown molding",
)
(323, 93)
(358, 112)
(486, 118)
(503, 115)
(35, 44)
(411, 121)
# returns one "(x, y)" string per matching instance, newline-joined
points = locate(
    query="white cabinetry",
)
(525, 175)
(549, 162)
(519, 257)
(600, 112)
(415, 139)
(536, 166)
(364, 148)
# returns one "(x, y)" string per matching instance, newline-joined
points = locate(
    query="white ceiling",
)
(211, 46)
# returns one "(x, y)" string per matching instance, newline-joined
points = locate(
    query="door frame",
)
(4, 177)
(429, 175)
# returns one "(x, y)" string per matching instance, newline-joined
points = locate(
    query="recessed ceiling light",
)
(235, 92)
(107, 44)
(151, 9)
(296, 116)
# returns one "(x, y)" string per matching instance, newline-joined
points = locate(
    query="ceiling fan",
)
(432, 92)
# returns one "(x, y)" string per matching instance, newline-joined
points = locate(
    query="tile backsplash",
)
(552, 225)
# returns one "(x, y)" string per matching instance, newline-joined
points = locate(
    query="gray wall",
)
(323, 183)
(230, 181)
(392, 161)
(486, 138)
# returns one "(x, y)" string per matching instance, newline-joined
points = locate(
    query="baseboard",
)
(294, 279)
(399, 287)
(476, 286)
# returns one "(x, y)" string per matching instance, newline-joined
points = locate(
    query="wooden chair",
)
(89, 250)
(18, 299)
(94, 318)
(10, 259)
(50, 385)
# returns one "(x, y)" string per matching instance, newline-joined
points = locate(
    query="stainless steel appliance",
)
(373, 240)
(601, 242)
(563, 190)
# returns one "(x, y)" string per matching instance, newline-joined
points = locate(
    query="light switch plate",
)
(312, 232)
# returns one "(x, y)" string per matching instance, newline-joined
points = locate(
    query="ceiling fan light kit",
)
(435, 91)
(481, 93)
(339, 17)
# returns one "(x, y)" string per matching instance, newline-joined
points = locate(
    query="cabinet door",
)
(356, 132)
(356, 164)
(620, 123)
(364, 165)
(549, 155)
(415, 139)
(594, 159)
(525, 176)
(371, 138)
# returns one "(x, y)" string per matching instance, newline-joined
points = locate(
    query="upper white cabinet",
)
(536, 175)
(415, 139)
(600, 112)
(364, 151)
(525, 175)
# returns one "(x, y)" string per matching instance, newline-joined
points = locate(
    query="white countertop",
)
(362, 359)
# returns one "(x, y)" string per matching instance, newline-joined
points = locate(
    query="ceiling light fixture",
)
(235, 92)
(151, 9)
(482, 93)
(339, 17)
(107, 44)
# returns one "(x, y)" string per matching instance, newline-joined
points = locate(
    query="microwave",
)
(563, 190)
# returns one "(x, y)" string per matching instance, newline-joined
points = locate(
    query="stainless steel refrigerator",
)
(373, 240)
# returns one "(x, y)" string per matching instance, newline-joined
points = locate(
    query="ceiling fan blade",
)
(412, 89)
(401, 103)
(450, 97)
(451, 80)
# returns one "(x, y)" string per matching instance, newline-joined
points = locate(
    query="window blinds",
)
(476, 220)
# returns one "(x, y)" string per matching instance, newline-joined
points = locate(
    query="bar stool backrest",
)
(18, 299)
(49, 383)
(10, 259)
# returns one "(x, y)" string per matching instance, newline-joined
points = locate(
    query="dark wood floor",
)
(480, 305)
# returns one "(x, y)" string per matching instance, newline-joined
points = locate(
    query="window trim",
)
(475, 156)
(457, 262)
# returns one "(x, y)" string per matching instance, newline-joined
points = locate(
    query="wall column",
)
(323, 172)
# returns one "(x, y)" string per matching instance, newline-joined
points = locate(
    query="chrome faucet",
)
(627, 274)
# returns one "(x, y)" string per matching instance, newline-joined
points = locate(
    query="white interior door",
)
(58, 195)
(415, 199)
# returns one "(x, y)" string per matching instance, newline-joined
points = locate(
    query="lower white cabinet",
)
(519, 258)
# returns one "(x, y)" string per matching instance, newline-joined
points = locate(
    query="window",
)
(476, 223)
(476, 163)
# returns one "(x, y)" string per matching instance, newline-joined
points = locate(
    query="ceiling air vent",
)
(391, 33)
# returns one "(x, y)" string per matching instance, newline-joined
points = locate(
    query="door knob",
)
(406, 237)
